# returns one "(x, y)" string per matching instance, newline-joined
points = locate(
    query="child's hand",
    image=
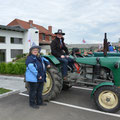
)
(48, 66)
(40, 77)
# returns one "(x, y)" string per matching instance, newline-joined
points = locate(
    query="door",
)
(2, 55)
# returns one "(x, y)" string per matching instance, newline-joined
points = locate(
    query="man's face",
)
(59, 35)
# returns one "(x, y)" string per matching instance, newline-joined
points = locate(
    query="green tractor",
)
(102, 73)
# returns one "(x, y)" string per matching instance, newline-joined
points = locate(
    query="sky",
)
(79, 19)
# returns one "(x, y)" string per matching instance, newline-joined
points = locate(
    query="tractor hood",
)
(112, 63)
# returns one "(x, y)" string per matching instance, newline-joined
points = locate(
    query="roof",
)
(12, 28)
(26, 25)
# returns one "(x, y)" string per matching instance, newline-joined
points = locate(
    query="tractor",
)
(101, 72)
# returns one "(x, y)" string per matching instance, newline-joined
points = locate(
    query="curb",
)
(9, 93)
(3, 77)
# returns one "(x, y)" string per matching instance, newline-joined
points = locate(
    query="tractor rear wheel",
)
(107, 98)
(54, 84)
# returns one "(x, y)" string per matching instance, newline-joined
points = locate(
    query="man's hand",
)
(67, 56)
(48, 66)
(40, 77)
(62, 56)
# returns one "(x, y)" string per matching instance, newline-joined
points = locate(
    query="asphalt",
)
(74, 104)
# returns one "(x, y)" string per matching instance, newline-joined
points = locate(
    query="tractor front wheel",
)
(107, 98)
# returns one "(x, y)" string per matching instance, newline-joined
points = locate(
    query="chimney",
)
(50, 29)
(31, 23)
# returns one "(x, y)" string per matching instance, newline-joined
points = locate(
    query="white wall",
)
(32, 36)
(25, 46)
(7, 45)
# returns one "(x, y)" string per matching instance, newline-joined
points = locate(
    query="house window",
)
(2, 39)
(16, 40)
(43, 36)
(15, 52)
(2, 55)
(50, 38)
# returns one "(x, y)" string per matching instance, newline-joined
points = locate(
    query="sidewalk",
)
(12, 83)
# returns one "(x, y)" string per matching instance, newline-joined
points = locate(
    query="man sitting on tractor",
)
(60, 51)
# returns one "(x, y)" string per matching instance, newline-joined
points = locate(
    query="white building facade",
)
(15, 41)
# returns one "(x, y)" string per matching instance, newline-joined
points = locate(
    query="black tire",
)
(57, 84)
(107, 99)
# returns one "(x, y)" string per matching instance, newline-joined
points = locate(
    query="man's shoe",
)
(65, 79)
(34, 106)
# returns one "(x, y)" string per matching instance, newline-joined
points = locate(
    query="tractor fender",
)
(52, 59)
(100, 85)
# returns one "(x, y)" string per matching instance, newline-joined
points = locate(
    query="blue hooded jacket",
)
(36, 67)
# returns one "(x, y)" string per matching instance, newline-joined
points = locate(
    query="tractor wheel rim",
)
(48, 84)
(108, 99)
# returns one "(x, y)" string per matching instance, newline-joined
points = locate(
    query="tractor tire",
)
(54, 84)
(107, 99)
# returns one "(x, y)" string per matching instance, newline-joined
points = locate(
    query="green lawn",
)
(2, 90)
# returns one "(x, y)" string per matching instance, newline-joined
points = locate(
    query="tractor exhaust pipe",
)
(105, 45)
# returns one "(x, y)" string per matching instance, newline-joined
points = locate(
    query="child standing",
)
(36, 76)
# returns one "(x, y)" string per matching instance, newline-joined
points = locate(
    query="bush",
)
(3, 68)
(22, 60)
(10, 68)
(19, 56)
(19, 68)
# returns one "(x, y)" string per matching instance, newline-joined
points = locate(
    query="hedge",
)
(12, 68)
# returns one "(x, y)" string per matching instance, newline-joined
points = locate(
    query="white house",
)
(15, 41)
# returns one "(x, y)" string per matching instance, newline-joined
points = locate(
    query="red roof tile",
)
(26, 25)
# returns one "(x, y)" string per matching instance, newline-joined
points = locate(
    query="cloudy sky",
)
(79, 19)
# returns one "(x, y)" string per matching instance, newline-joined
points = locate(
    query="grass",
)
(2, 90)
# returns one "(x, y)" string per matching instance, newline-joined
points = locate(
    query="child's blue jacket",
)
(36, 67)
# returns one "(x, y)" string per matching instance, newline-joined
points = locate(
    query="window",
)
(43, 36)
(2, 55)
(2, 39)
(15, 52)
(50, 38)
(16, 40)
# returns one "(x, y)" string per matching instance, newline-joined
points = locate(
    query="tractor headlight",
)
(116, 65)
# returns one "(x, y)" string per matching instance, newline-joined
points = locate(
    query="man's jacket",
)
(36, 67)
(58, 49)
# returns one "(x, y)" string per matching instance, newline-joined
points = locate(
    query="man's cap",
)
(60, 32)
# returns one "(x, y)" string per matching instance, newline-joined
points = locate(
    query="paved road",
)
(74, 104)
